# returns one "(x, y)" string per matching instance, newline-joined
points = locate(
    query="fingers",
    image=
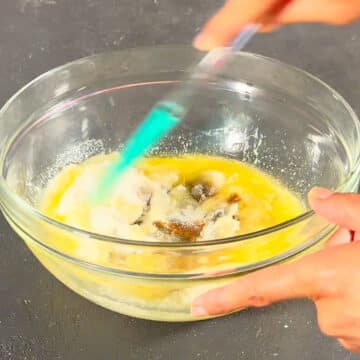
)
(339, 321)
(349, 344)
(335, 12)
(223, 27)
(332, 318)
(270, 27)
(304, 278)
(341, 237)
(337, 208)
(228, 22)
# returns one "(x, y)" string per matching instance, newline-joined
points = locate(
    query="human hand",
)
(235, 14)
(330, 277)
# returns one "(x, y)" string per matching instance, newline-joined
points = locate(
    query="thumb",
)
(338, 208)
(305, 278)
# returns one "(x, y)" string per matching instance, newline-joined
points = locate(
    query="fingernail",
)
(198, 310)
(321, 193)
(204, 42)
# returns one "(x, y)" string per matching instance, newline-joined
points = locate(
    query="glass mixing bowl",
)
(277, 117)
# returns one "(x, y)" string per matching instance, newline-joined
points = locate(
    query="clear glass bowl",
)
(261, 111)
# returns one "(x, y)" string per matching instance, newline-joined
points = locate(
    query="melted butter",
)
(264, 202)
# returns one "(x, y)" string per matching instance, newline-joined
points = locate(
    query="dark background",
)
(39, 317)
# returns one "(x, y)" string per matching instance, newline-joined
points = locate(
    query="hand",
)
(228, 21)
(330, 277)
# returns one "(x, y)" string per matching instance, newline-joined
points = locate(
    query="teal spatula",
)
(168, 113)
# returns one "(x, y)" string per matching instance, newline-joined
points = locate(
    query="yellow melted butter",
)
(265, 202)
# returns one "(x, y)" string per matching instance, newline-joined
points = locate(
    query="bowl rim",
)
(33, 212)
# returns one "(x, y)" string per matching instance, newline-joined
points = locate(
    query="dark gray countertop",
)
(39, 317)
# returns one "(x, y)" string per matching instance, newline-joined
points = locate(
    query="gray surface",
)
(39, 317)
